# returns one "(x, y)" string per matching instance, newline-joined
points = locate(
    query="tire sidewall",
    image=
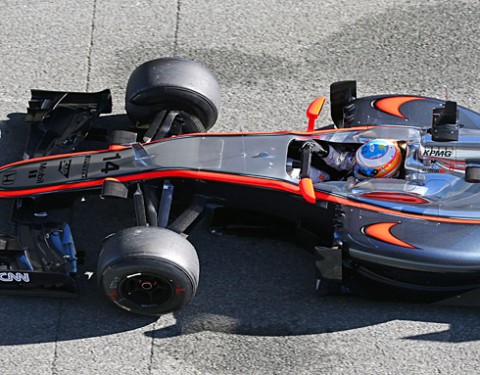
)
(183, 289)
(176, 84)
(155, 251)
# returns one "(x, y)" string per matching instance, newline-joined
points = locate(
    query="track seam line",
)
(177, 27)
(90, 46)
(152, 347)
(57, 335)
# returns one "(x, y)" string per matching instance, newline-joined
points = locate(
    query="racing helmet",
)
(377, 158)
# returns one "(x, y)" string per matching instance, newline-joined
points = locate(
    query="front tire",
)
(173, 84)
(148, 270)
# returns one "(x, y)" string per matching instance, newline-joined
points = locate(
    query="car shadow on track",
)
(253, 286)
(248, 286)
(27, 320)
(13, 134)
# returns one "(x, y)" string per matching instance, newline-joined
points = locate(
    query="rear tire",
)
(173, 84)
(472, 170)
(148, 270)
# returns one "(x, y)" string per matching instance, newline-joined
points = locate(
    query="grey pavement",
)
(256, 311)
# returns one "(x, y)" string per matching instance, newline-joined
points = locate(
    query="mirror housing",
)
(444, 123)
(313, 111)
(307, 190)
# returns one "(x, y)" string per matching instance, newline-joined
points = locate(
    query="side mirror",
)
(307, 190)
(313, 111)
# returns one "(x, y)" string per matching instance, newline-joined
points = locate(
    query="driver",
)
(378, 158)
(374, 159)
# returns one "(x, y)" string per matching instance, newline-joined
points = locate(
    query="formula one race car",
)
(411, 226)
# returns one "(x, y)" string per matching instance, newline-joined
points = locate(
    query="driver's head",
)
(377, 158)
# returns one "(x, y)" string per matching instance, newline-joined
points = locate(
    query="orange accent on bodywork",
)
(259, 182)
(382, 232)
(281, 132)
(234, 179)
(307, 190)
(392, 104)
(189, 135)
(116, 147)
(313, 111)
(389, 211)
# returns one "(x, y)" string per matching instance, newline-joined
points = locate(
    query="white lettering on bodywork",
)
(18, 277)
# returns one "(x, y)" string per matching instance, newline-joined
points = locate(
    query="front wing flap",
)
(61, 120)
(39, 260)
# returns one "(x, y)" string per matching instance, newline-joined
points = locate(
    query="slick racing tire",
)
(472, 170)
(173, 84)
(148, 270)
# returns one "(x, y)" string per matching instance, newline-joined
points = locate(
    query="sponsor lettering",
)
(17, 276)
(438, 151)
(9, 178)
(109, 165)
(64, 167)
(86, 163)
(41, 173)
(433, 170)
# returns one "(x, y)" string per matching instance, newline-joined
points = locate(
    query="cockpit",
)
(429, 170)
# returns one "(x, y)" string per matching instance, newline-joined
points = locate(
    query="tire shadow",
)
(248, 286)
(27, 320)
(265, 287)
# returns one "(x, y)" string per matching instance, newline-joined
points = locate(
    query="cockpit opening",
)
(330, 161)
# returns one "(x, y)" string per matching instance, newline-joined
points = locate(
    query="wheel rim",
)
(146, 290)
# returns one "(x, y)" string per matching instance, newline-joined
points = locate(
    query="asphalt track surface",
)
(256, 311)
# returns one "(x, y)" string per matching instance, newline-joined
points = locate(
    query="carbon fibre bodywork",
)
(420, 231)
